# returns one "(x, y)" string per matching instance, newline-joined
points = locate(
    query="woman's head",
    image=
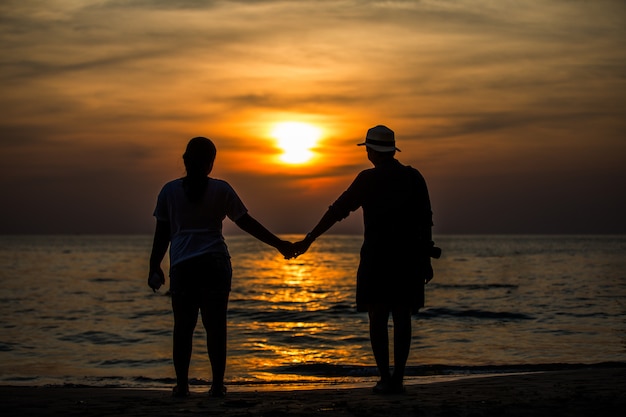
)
(199, 156)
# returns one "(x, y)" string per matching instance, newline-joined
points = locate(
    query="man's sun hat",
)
(380, 138)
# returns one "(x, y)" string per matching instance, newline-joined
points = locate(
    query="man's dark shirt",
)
(396, 206)
(397, 219)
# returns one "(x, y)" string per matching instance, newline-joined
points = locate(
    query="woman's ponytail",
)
(198, 158)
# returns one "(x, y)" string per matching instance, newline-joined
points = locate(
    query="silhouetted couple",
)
(394, 266)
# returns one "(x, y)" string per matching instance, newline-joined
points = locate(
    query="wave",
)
(475, 314)
(100, 338)
(129, 363)
(318, 375)
(287, 316)
(474, 287)
(332, 370)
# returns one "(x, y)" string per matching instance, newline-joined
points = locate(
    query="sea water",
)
(78, 310)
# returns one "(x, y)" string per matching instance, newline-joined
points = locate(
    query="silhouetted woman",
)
(189, 214)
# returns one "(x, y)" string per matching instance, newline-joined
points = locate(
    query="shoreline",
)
(572, 393)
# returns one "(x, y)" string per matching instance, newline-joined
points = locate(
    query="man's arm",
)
(326, 222)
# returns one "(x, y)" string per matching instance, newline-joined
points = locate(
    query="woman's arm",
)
(160, 244)
(249, 224)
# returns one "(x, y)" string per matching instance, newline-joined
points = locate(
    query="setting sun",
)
(296, 140)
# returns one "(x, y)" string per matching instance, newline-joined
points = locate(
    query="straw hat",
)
(380, 138)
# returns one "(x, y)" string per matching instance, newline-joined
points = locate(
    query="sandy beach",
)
(585, 392)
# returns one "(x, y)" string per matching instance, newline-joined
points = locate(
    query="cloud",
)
(114, 89)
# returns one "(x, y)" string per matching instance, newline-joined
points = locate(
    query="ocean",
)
(76, 310)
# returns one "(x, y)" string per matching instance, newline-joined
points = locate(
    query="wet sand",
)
(584, 392)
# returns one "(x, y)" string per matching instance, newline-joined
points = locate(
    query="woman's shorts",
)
(211, 272)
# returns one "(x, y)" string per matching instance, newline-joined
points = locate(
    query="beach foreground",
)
(585, 392)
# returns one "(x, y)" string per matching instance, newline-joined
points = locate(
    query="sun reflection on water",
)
(283, 312)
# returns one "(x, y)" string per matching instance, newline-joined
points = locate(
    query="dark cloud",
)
(303, 102)
(534, 203)
(158, 4)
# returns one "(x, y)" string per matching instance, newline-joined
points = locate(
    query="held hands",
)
(301, 247)
(293, 250)
(287, 249)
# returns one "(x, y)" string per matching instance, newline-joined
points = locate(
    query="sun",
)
(296, 140)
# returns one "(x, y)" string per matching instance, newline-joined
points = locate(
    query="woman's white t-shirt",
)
(196, 228)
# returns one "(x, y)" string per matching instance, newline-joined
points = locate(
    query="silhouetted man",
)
(395, 255)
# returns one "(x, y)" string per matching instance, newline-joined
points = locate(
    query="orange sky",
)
(515, 112)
